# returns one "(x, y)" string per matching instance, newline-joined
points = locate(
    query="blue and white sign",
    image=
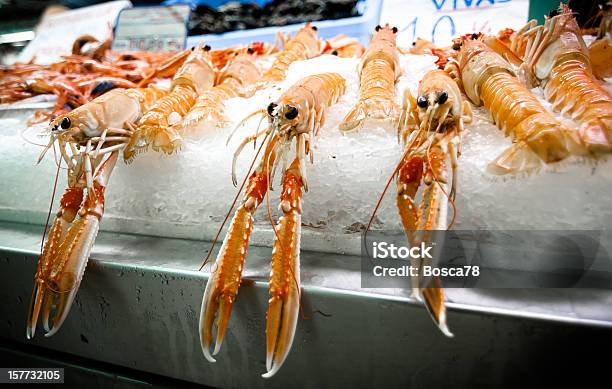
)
(441, 20)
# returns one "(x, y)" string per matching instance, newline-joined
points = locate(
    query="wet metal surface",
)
(139, 303)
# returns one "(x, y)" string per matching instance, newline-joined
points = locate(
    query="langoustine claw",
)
(66, 252)
(222, 286)
(284, 303)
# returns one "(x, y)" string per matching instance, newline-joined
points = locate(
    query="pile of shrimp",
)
(79, 78)
(89, 73)
(93, 69)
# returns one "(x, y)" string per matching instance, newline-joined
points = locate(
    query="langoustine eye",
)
(291, 113)
(422, 101)
(65, 123)
(271, 108)
(442, 97)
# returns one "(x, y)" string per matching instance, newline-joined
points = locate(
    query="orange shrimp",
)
(89, 139)
(240, 72)
(303, 45)
(344, 47)
(538, 138)
(557, 57)
(155, 128)
(297, 115)
(430, 127)
(378, 73)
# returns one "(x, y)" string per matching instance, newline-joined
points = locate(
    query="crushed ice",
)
(187, 194)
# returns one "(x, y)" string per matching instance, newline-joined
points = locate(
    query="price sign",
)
(440, 21)
(152, 28)
(57, 32)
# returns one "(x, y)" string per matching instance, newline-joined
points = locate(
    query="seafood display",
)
(90, 137)
(293, 120)
(541, 90)
(378, 72)
(81, 77)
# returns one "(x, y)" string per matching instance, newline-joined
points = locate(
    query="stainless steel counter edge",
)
(139, 302)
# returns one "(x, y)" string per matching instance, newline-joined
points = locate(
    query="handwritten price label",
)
(152, 28)
(441, 20)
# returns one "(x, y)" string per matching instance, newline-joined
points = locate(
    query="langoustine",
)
(343, 47)
(304, 45)
(240, 72)
(430, 128)
(378, 72)
(557, 57)
(89, 140)
(155, 128)
(295, 117)
(538, 137)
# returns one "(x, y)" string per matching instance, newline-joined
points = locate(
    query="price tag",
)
(440, 21)
(56, 33)
(152, 28)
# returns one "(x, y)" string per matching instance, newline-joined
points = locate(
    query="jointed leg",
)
(284, 300)
(223, 283)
